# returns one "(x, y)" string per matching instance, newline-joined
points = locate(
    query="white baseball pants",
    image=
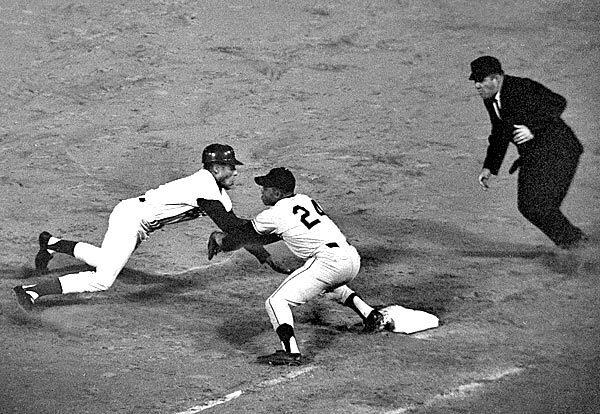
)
(121, 239)
(327, 272)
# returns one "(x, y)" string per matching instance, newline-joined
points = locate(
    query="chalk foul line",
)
(236, 394)
(462, 391)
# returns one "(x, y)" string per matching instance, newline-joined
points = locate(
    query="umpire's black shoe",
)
(24, 300)
(582, 241)
(280, 357)
(43, 256)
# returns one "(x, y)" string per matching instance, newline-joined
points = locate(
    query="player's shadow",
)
(241, 327)
(146, 286)
(20, 272)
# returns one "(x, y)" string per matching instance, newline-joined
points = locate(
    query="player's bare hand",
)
(215, 241)
(484, 178)
(522, 134)
(276, 267)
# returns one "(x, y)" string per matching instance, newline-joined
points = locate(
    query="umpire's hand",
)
(522, 134)
(484, 177)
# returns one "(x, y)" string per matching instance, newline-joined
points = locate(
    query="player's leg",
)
(350, 298)
(120, 240)
(88, 253)
(49, 245)
(319, 274)
(372, 319)
(298, 288)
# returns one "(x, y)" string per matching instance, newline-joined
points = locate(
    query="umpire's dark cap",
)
(279, 177)
(485, 66)
(219, 154)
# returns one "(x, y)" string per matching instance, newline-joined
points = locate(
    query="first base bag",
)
(408, 321)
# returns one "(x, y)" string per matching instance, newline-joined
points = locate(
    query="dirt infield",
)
(370, 105)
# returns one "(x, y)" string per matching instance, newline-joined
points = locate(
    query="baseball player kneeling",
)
(310, 234)
(132, 221)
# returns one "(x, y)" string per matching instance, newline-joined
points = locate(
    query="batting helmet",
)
(219, 154)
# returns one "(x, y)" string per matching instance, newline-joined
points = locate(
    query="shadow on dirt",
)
(443, 240)
(153, 287)
(19, 272)
(242, 326)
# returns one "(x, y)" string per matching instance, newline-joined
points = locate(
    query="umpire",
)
(527, 114)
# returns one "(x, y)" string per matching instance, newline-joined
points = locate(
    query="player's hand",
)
(215, 241)
(276, 267)
(522, 134)
(484, 178)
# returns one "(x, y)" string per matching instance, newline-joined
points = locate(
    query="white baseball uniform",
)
(310, 234)
(131, 222)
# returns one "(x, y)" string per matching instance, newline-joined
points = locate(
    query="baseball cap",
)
(220, 154)
(484, 66)
(279, 177)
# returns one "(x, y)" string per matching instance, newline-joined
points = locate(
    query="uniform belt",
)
(142, 199)
(332, 245)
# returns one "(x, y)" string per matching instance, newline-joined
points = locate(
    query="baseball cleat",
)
(24, 300)
(43, 256)
(375, 322)
(280, 357)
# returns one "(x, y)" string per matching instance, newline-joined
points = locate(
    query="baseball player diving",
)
(134, 219)
(310, 234)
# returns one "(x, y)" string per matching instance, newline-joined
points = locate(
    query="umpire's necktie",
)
(496, 106)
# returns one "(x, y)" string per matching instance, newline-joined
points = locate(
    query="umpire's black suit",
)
(547, 162)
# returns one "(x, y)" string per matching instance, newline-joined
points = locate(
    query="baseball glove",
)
(214, 244)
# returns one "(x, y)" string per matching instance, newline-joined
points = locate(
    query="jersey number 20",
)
(305, 213)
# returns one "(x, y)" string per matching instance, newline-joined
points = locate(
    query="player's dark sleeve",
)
(228, 222)
(246, 236)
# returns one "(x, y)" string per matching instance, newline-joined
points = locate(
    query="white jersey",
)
(302, 223)
(177, 200)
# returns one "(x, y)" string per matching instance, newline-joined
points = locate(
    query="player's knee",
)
(100, 286)
(269, 303)
(103, 281)
(275, 302)
(530, 210)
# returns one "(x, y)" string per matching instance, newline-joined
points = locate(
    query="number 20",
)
(306, 213)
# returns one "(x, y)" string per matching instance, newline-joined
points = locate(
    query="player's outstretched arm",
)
(227, 221)
(244, 234)
(219, 242)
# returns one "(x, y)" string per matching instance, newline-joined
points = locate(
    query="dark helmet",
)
(219, 154)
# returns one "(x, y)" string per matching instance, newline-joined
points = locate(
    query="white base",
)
(408, 321)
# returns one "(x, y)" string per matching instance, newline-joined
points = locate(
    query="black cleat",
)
(375, 322)
(43, 256)
(24, 300)
(280, 357)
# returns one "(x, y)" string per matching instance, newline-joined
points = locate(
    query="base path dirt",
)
(369, 104)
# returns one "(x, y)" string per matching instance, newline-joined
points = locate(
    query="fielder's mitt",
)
(214, 246)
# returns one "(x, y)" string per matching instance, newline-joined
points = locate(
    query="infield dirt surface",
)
(369, 104)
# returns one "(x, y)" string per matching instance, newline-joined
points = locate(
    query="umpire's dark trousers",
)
(544, 179)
